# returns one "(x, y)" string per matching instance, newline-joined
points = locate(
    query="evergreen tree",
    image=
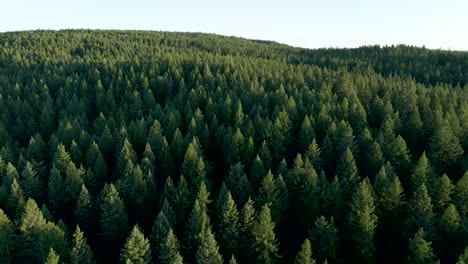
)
(16, 201)
(229, 226)
(313, 154)
(422, 173)
(347, 170)
(238, 184)
(449, 222)
(197, 226)
(420, 214)
(324, 237)
(445, 149)
(114, 220)
(362, 220)
(159, 231)
(81, 252)
(442, 193)
(421, 249)
(265, 244)
(463, 259)
(84, 207)
(136, 249)
(31, 183)
(52, 257)
(247, 219)
(169, 250)
(7, 244)
(208, 251)
(305, 255)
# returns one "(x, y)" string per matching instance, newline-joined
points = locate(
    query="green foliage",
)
(229, 226)
(420, 212)
(136, 249)
(208, 251)
(168, 252)
(81, 252)
(7, 244)
(362, 220)
(421, 249)
(265, 244)
(305, 255)
(114, 220)
(52, 257)
(110, 123)
(324, 237)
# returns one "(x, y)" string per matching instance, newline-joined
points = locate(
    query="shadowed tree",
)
(208, 251)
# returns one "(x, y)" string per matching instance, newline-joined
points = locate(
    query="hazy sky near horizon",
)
(311, 24)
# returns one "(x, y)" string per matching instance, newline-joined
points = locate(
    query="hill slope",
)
(131, 134)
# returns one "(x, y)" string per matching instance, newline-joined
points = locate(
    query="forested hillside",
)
(156, 147)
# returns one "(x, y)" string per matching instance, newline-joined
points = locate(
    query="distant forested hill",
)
(159, 147)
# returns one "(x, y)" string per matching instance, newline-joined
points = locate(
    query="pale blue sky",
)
(312, 24)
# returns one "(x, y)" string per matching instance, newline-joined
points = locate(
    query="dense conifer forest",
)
(156, 147)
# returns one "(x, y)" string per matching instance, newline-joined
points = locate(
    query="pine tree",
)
(445, 149)
(442, 193)
(114, 220)
(421, 249)
(81, 252)
(136, 249)
(264, 244)
(347, 170)
(422, 173)
(84, 207)
(420, 214)
(450, 221)
(52, 257)
(229, 226)
(463, 259)
(168, 252)
(203, 196)
(7, 244)
(324, 236)
(363, 220)
(159, 231)
(257, 172)
(313, 154)
(334, 200)
(169, 213)
(197, 226)
(232, 260)
(182, 198)
(461, 200)
(238, 184)
(305, 255)
(208, 251)
(30, 182)
(247, 219)
(16, 201)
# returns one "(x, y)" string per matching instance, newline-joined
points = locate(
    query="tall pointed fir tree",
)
(136, 249)
(229, 226)
(305, 255)
(420, 248)
(197, 226)
(114, 219)
(169, 250)
(7, 242)
(81, 252)
(420, 213)
(208, 251)
(265, 244)
(362, 220)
